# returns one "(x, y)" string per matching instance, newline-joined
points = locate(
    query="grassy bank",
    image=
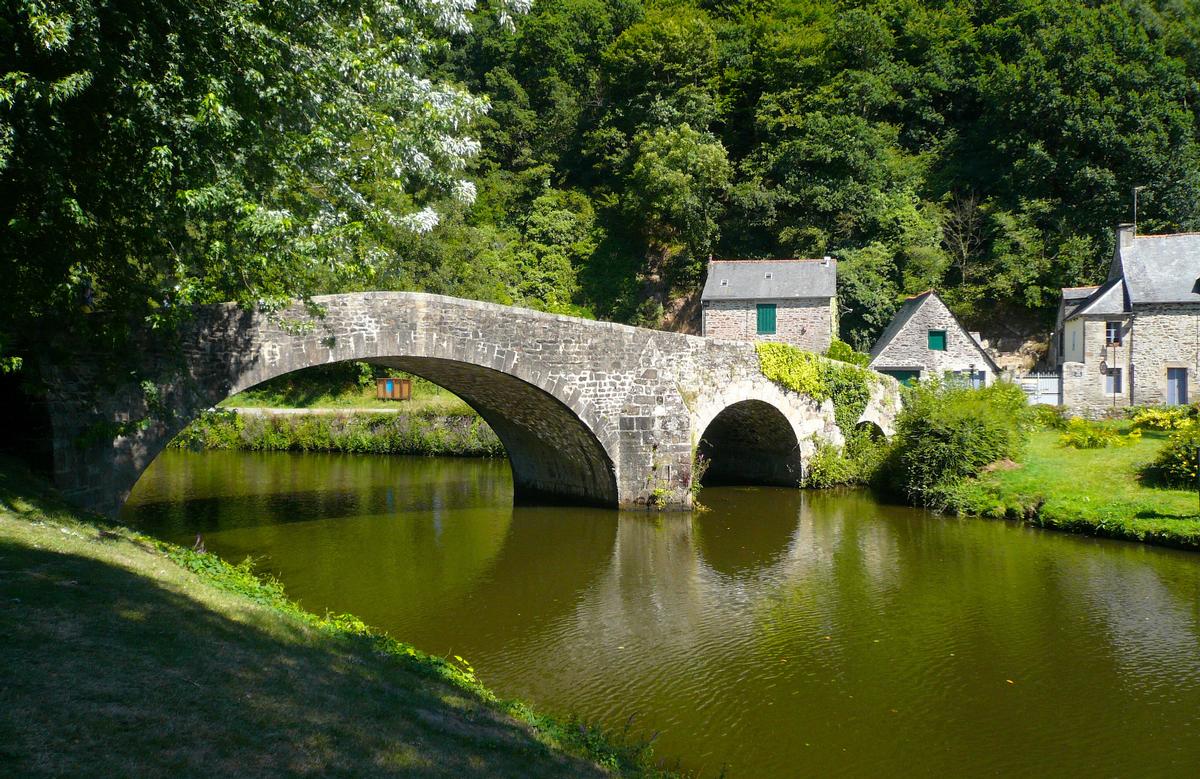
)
(1095, 491)
(347, 386)
(427, 432)
(125, 656)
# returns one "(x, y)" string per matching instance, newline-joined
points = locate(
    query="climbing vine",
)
(804, 372)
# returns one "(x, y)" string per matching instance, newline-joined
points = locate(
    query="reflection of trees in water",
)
(390, 539)
(1152, 627)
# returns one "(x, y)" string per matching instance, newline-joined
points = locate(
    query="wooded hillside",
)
(986, 148)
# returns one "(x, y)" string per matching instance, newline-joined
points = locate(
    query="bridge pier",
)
(589, 411)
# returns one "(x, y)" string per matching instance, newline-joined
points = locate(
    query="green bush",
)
(416, 433)
(947, 432)
(1176, 464)
(1050, 417)
(1082, 434)
(855, 464)
(844, 352)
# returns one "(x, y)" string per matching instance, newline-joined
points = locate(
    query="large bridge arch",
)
(751, 442)
(559, 446)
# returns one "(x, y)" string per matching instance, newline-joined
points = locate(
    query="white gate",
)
(1042, 388)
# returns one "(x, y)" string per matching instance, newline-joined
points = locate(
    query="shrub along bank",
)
(426, 432)
(133, 657)
(984, 452)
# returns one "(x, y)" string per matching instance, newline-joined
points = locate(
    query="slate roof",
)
(770, 279)
(1109, 298)
(1078, 293)
(1160, 268)
(1147, 269)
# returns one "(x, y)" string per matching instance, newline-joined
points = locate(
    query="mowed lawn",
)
(1089, 490)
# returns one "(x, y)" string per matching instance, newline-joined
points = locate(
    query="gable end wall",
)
(910, 347)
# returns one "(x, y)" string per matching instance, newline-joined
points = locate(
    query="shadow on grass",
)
(105, 672)
(1152, 514)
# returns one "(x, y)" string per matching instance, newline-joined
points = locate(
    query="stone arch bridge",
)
(588, 411)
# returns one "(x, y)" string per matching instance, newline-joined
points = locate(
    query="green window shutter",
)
(937, 340)
(766, 318)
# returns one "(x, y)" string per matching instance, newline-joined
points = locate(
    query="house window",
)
(1112, 333)
(937, 340)
(766, 318)
(1112, 381)
(967, 378)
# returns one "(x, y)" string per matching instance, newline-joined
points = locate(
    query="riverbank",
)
(426, 432)
(1092, 491)
(130, 656)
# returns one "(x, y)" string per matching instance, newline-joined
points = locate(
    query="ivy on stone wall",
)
(849, 386)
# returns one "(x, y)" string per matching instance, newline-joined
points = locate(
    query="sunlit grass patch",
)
(1090, 490)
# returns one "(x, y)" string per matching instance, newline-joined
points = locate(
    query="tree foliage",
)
(156, 155)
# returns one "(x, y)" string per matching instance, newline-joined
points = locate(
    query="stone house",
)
(1072, 299)
(1135, 339)
(791, 301)
(924, 339)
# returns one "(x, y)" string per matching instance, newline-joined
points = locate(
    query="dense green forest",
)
(983, 147)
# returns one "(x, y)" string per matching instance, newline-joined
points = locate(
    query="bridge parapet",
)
(588, 411)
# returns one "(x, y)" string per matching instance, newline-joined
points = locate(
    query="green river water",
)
(780, 633)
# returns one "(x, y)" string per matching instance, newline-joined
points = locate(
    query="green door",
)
(907, 378)
(766, 318)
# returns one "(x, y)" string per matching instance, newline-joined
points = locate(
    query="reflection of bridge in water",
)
(588, 411)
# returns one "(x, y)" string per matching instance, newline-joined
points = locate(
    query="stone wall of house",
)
(909, 350)
(1083, 381)
(807, 323)
(1164, 336)
(1159, 337)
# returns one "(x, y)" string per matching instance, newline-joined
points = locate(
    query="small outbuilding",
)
(925, 339)
(791, 301)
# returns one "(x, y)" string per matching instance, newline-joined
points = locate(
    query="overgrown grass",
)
(1097, 491)
(125, 656)
(347, 385)
(420, 433)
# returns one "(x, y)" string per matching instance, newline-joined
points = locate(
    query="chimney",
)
(1125, 234)
(826, 260)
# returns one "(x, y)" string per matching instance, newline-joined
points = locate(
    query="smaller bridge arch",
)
(751, 442)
